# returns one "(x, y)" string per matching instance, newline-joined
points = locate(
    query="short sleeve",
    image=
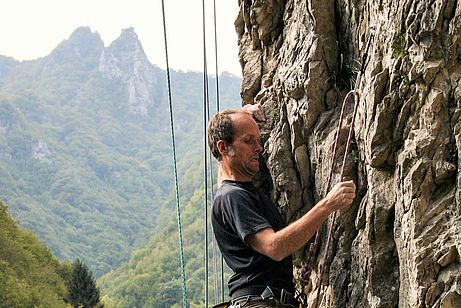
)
(244, 212)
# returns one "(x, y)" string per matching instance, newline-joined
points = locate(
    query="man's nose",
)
(259, 147)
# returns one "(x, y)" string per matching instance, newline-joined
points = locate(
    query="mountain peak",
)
(83, 33)
(129, 32)
(81, 50)
(125, 60)
(82, 43)
(127, 44)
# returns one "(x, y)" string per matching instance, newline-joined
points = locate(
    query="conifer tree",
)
(83, 291)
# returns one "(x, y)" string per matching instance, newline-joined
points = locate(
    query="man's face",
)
(243, 153)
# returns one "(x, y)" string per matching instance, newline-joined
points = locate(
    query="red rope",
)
(328, 251)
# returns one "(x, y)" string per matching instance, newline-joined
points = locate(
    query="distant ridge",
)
(85, 146)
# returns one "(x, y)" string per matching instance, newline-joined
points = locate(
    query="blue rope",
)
(178, 209)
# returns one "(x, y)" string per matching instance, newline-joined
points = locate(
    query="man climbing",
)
(252, 235)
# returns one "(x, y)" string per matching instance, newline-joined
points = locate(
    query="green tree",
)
(83, 291)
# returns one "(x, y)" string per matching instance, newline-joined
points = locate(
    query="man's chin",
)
(253, 171)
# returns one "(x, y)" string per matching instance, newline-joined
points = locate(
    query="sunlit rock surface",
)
(400, 243)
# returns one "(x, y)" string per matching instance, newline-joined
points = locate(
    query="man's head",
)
(221, 128)
(234, 139)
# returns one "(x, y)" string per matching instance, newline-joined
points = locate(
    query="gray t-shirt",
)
(240, 210)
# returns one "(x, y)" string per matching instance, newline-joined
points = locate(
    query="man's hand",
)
(255, 110)
(341, 195)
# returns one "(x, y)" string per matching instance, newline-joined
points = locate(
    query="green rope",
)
(178, 209)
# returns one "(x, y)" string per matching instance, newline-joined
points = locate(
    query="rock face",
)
(400, 242)
(125, 60)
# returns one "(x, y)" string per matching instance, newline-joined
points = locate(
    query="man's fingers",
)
(255, 110)
(346, 193)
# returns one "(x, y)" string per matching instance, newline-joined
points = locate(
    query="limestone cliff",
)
(126, 61)
(400, 243)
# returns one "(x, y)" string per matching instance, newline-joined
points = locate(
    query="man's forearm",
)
(278, 245)
(297, 234)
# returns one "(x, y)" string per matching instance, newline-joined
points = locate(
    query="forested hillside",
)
(85, 145)
(152, 278)
(30, 276)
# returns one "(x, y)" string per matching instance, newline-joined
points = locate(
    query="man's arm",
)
(278, 245)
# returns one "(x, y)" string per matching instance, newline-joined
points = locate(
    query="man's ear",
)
(222, 147)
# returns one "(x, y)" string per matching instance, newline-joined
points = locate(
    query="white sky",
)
(30, 29)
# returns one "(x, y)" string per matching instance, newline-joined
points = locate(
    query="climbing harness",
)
(328, 252)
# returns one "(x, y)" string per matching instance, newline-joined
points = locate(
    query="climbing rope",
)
(215, 254)
(216, 55)
(328, 250)
(205, 162)
(208, 165)
(178, 209)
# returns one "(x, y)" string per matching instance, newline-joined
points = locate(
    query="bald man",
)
(251, 234)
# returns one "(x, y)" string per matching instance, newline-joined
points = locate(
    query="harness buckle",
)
(267, 294)
(285, 296)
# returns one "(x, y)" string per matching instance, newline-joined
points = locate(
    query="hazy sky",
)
(30, 29)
